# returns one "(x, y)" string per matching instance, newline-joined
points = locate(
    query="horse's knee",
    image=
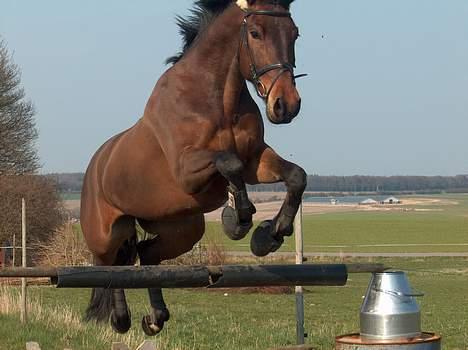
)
(229, 164)
(297, 180)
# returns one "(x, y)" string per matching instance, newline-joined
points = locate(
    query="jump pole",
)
(300, 334)
(167, 276)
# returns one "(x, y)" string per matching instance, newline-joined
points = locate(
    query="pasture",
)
(229, 319)
(439, 226)
(435, 227)
(212, 320)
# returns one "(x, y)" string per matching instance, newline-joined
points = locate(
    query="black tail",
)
(100, 306)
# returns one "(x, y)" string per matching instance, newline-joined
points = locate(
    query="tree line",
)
(72, 182)
(382, 184)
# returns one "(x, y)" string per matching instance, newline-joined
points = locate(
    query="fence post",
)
(14, 250)
(298, 289)
(23, 243)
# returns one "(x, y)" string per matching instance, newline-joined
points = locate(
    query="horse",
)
(199, 142)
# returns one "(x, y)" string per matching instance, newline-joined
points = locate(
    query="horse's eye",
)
(255, 34)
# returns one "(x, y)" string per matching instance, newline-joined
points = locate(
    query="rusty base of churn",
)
(426, 341)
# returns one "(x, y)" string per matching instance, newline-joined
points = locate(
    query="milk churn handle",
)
(400, 294)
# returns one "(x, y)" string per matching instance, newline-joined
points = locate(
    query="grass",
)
(70, 195)
(374, 231)
(393, 231)
(211, 320)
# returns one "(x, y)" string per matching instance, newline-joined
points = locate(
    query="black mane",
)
(202, 14)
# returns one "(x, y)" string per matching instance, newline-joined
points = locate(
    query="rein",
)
(255, 72)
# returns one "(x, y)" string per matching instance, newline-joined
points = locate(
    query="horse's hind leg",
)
(121, 250)
(120, 316)
(174, 238)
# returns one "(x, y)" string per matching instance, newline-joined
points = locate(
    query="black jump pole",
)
(225, 276)
(281, 275)
(165, 276)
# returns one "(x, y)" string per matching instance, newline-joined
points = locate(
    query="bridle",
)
(255, 72)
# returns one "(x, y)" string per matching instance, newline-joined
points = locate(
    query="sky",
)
(387, 91)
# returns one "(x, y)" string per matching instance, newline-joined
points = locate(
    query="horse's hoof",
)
(263, 241)
(120, 324)
(152, 328)
(232, 226)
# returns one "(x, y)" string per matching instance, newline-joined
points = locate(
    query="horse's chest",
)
(240, 142)
(244, 147)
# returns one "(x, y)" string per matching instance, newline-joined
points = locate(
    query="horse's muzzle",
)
(282, 112)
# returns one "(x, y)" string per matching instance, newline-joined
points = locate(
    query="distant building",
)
(391, 200)
(368, 201)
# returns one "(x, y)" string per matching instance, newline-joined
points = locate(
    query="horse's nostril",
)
(279, 108)
(297, 108)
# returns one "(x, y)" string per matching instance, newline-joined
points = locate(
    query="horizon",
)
(330, 175)
(385, 96)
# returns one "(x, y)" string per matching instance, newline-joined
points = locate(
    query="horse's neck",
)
(215, 55)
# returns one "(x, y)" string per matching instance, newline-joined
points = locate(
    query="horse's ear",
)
(245, 4)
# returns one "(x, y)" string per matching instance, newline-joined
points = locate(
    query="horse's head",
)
(267, 56)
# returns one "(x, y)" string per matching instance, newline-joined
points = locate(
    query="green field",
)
(443, 228)
(440, 228)
(67, 196)
(211, 320)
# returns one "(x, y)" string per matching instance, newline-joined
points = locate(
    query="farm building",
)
(368, 201)
(391, 200)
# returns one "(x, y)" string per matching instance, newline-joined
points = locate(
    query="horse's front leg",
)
(198, 167)
(237, 215)
(268, 167)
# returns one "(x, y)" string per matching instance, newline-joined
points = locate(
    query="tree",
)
(18, 132)
(19, 163)
(44, 212)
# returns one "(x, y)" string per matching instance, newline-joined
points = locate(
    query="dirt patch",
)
(428, 201)
(270, 209)
(458, 271)
(269, 203)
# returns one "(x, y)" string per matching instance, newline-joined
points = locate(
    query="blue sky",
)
(387, 91)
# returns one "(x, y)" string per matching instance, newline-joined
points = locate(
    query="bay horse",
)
(198, 143)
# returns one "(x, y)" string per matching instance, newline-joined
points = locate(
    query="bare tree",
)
(18, 132)
(44, 211)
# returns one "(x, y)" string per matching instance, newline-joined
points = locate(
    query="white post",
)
(14, 250)
(23, 243)
(299, 291)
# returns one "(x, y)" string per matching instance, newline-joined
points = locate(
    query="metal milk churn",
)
(389, 309)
